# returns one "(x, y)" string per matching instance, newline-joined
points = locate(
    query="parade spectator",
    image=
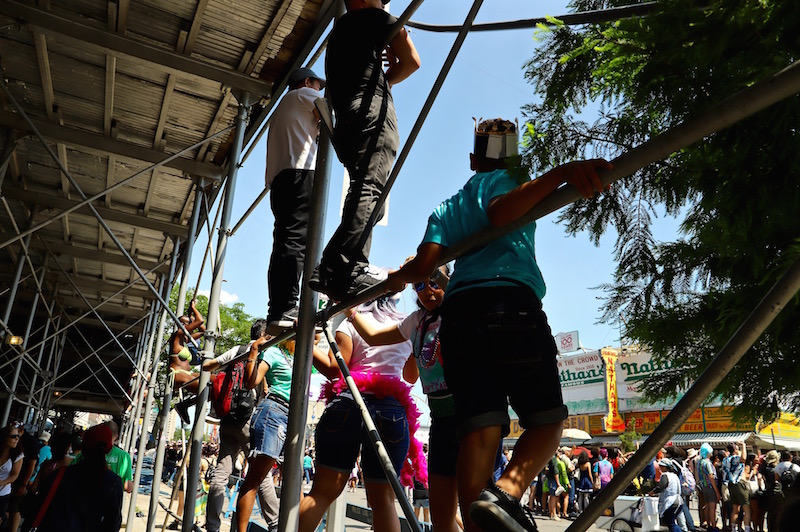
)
(604, 469)
(30, 449)
(60, 447)
(234, 438)
(585, 481)
(308, 467)
(10, 465)
(291, 160)
(756, 482)
(668, 489)
(182, 352)
(553, 485)
(707, 480)
(495, 294)
(377, 372)
(563, 480)
(88, 495)
(365, 134)
(739, 491)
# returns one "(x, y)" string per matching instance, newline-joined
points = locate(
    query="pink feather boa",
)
(382, 386)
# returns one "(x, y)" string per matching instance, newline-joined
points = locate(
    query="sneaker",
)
(324, 283)
(182, 410)
(174, 525)
(496, 510)
(288, 320)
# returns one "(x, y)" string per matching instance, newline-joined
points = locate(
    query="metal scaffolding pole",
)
(151, 387)
(88, 203)
(18, 369)
(193, 475)
(137, 408)
(423, 114)
(756, 323)
(136, 387)
(40, 396)
(48, 398)
(97, 378)
(166, 401)
(301, 370)
(41, 349)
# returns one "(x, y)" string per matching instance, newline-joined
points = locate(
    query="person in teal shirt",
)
(508, 354)
(308, 467)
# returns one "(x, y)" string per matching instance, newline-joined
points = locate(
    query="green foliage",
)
(737, 192)
(629, 438)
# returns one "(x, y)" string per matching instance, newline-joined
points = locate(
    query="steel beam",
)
(113, 43)
(99, 145)
(50, 201)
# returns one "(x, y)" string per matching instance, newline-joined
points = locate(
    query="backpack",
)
(788, 479)
(688, 483)
(229, 396)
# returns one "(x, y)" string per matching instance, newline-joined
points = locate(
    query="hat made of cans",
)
(496, 138)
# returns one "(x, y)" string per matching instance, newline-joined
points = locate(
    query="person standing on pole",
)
(291, 159)
(495, 293)
(365, 134)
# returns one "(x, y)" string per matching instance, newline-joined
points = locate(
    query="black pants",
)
(289, 198)
(367, 140)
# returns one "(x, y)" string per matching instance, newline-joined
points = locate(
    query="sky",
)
(487, 80)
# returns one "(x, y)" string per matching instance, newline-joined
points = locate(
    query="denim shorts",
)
(497, 349)
(443, 447)
(268, 428)
(341, 434)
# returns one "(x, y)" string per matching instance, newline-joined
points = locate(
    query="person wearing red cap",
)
(87, 495)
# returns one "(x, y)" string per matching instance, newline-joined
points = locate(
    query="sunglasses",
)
(14, 436)
(419, 287)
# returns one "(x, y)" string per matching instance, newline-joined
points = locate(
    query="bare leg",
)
(475, 462)
(531, 453)
(444, 502)
(259, 467)
(380, 497)
(328, 484)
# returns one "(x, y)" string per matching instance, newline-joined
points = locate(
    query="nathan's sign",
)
(582, 379)
(631, 370)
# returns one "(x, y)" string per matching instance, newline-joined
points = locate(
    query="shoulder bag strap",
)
(46, 504)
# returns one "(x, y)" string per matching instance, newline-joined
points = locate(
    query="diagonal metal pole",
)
(147, 345)
(100, 219)
(136, 386)
(18, 272)
(95, 374)
(166, 400)
(193, 474)
(154, 356)
(46, 329)
(117, 357)
(756, 323)
(423, 114)
(48, 398)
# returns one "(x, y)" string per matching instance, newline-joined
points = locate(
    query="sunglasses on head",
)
(419, 287)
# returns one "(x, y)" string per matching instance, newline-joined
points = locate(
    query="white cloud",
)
(225, 298)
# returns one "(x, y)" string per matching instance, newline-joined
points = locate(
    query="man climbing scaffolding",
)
(365, 134)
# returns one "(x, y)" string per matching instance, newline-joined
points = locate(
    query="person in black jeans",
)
(365, 134)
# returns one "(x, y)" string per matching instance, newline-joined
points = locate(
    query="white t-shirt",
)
(384, 359)
(5, 471)
(785, 466)
(293, 130)
(231, 353)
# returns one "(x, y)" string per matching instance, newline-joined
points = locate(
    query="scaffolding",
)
(143, 355)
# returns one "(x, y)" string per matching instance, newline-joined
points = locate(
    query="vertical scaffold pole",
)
(136, 407)
(193, 474)
(12, 296)
(45, 331)
(301, 371)
(37, 416)
(153, 356)
(166, 402)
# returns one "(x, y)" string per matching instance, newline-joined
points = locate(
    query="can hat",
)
(299, 74)
(496, 138)
(772, 458)
(44, 436)
(691, 453)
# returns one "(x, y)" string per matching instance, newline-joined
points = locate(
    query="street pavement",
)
(358, 498)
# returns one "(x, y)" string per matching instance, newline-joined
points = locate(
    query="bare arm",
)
(329, 367)
(417, 269)
(254, 370)
(373, 336)
(15, 469)
(511, 206)
(410, 370)
(403, 58)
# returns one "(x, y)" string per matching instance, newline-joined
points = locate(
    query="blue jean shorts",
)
(268, 428)
(341, 434)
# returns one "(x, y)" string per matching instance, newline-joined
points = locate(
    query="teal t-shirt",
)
(279, 374)
(509, 257)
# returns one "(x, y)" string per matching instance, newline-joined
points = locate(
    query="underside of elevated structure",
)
(114, 87)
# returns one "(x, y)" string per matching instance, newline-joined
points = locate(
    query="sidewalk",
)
(358, 498)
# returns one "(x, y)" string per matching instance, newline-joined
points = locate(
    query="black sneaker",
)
(324, 283)
(497, 511)
(359, 283)
(182, 409)
(320, 281)
(288, 320)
